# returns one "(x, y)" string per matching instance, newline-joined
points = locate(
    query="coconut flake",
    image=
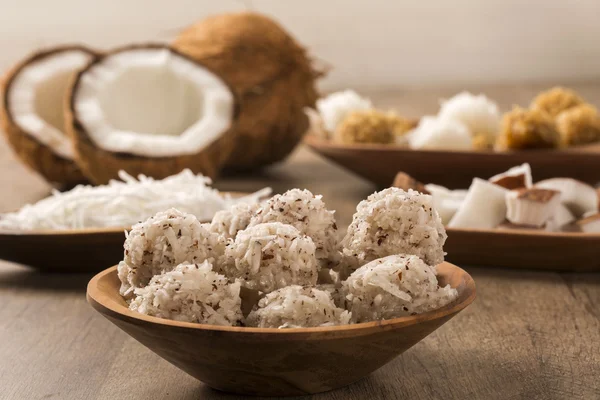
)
(124, 203)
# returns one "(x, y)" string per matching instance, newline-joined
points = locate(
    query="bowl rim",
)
(102, 302)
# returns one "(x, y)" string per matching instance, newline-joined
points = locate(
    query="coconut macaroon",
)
(478, 113)
(335, 107)
(232, 220)
(269, 256)
(434, 133)
(579, 125)
(395, 286)
(556, 100)
(394, 221)
(307, 213)
(527, 129)
(32, 112)
(297, 307)
(162, 242)
(372, 126)
(191, 293)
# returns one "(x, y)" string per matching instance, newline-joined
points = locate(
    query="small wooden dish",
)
(76, 250)
(73, 250)
(456, 169)
(564, 251)
(276, 362)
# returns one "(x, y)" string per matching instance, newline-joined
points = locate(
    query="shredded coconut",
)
(124, 203)
(335, 107)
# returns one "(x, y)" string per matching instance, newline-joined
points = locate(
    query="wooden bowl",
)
(565, 251)
(456, 169)
(275, 362)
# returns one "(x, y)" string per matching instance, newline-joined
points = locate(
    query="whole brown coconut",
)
(100, 165)
(35, 154)
(271, 74)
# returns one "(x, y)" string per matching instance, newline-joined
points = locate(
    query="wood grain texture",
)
(275, 362)
(529, 335)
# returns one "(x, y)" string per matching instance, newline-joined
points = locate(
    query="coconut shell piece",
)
(270, 73)
(100, 165)
(38, 156)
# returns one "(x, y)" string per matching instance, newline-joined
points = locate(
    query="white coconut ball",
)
(440, 134)
(335, 107)
(232, 220)
(270, 256)
(297, 307)
(191, 293)
(162, 242)
(478, 113)
(395, 286)
(396, 222)
(307, 213)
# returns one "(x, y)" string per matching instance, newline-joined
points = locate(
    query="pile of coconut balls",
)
(280, 264)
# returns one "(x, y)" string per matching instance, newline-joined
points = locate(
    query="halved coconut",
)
(271, 74)
(33, 95)
(150, 110)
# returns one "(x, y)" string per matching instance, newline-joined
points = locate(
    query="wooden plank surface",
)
(529, 334)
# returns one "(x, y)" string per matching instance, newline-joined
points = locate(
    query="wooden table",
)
(529, 334)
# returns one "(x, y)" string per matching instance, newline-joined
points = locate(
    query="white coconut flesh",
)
(36, 97)
(152, 102)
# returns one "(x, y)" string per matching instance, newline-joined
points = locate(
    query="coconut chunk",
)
(533, 207)
(515, 178)
(33, 111)
(578, 197)
(446, 201)
(484, 206)
(405, 182)
(590, 224)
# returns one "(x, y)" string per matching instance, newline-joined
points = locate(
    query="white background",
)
(371, 44)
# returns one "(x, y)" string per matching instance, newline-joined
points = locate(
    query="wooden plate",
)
(277, 362)
(524, 249)
(75, 250)
(456, 169)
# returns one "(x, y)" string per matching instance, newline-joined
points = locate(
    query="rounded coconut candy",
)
(269, 71)
(148, 109)
(32, 111)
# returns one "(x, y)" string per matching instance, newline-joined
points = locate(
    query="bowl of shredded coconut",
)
(270, 299)
(87, 223)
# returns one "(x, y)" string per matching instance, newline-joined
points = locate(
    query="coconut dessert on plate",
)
(384, 268)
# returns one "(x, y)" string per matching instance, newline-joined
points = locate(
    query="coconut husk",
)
(100, 166)
(39, 157)
(271, 74)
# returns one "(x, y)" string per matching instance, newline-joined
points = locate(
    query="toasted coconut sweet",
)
(33, 94)
(268, 70)
(527, 129)
(150, 110)
(579, 125)
(556, 100)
